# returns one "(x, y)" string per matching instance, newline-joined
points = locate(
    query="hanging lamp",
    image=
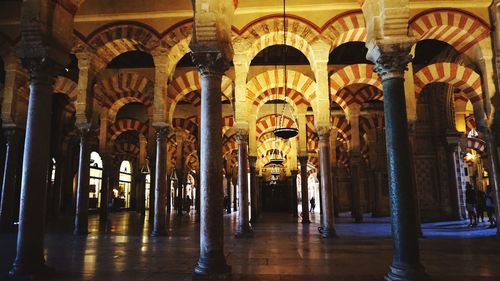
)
(282, 131)
(145, 169)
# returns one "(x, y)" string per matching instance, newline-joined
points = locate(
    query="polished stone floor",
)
(121, 250)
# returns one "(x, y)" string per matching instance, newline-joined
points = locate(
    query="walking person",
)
(490, 206)
(470, 203)
(313, 204)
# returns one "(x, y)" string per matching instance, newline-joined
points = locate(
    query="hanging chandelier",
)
(281, 130)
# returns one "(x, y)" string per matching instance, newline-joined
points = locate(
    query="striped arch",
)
(268, 147)
(115, 91)
(127, 148)
(192, 161)
(266, 32)
(270, 94)
(310, 130)
(124, 125)
(313, 144)
(186, 125)
(343, 127)
(371, 122)
(176, 41)
(351, 74)
(229, 146)
(113, 40)
(268, 122)
(301, 86)
(369, 93)
(470, 123)
(190, 82)
(457, 28)
(453, 74)
(227, 123)
(347, 27)
(477, 144)
(66, 86)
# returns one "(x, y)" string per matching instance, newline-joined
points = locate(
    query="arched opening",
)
(95, 183)
(132, 59)
(349, 53)
(121, 193)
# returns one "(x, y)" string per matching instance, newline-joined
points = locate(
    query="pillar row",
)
(82, 197)
(327, 222)
(243, 229)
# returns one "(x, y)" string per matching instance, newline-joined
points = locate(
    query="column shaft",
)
(243, 229)
(105, 186)
(82, 199)
(304, 189)
(30, 239)
(160, 217)
(212, 262)
(327, 226)
(10, 172)
(390, 64)
(253, 189)
(228, 190)
(295, 210)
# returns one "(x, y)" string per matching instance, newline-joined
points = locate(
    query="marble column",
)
(228, 190)
(67, 206)
(10, 179)
(30, 260)
(235, 195)
(390, 63)
(160, 216)
(295, 210)
(243, 229)
(327, 222)
(252, 160)
(304, 189)
(356, 174)
(107, 162)
(212, 262)
(82, 197)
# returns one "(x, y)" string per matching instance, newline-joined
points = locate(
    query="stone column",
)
(243, 229)
(107, 162)
(356, 174)
(30, 259)
(82, 198)
(295, 210)
(212, 262)
(456, 189)
(10, 179)
(235, 195)
(304, 189)
(160, 216)
(391, 60)
(252, 160)
(228, 190)
(327, 224)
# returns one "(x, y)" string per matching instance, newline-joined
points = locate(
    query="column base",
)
(244, 231)
(327, 232)
(159, 233)
(25, 272)
(213, 267)
(407, 273)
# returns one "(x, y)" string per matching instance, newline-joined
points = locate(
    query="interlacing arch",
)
(458, 76)
(115, 39)
(303, 87)
(347, 27)
(349, 75)
(124, 125)
(117, 90)
(457, 28)
(269, 122)
(268, 31)
(190, 82)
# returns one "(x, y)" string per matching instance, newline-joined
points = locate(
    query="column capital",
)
(303, 159)
(252, 161)
(391, 56)
(161, 133)
(41, 70)
(242, 135)
(323, 133)
(210, 63)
